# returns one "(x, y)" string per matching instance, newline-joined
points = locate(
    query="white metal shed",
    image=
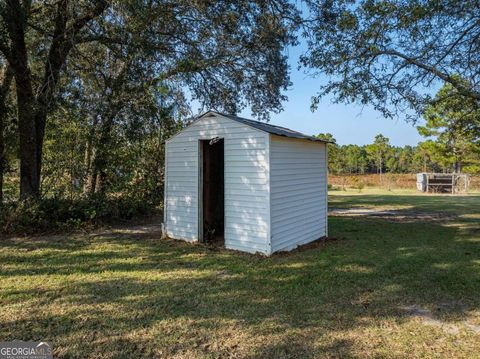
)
(254, 186)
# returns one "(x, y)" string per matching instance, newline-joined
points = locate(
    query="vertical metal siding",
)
(246, 183)
(298, 177)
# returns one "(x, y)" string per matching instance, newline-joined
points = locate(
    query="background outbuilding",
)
(254, 186)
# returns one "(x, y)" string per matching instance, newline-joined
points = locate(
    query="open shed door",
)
(211, 187)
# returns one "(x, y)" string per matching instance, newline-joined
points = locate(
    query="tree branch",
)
(5, 51)
(6, 77)
(457, 41)
(81, 21)
(465, 91)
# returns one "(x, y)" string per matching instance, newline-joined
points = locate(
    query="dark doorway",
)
(212, 190)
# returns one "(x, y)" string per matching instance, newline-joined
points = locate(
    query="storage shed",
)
(249, 185)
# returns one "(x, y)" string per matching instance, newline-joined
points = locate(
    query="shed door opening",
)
(212, 185)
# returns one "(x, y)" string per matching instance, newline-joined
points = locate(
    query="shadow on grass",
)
(125, 296)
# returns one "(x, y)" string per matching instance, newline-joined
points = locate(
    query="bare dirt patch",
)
(426, 317)
(391, 214)
(144, 231)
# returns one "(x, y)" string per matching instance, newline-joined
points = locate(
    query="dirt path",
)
(390, 214)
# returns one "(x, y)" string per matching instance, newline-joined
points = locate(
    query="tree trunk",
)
(63, 42)
(458, 166)
(6, 76)
(90, 176)
(15, 19)
(100, 160)
(380, 170)
(33, 110)
(101, 184)
(57, 56)
(29, 180)
(96, 154)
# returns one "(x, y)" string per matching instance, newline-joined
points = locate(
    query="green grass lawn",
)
(386, 287)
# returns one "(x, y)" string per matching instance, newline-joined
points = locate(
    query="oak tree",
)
(390, 54)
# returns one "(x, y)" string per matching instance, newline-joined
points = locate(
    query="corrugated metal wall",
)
(298, 192)
(246, 183)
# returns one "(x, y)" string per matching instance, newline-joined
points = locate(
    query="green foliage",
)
(455, 125)
(327, 137)
(381, 157)
(355, 159)
(127, 62)
(378, 150)
(54, 214)
(358, 183)
(335, 164)
(425, 156)
(389, 53)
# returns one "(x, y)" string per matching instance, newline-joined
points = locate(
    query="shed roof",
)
(266, 127)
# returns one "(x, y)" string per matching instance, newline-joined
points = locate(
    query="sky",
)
(349, 124)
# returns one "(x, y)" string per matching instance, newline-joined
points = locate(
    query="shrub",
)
(333, 188)
(391, 181)
(52, 214)
(360, 186)
(406, 180)
(357, 183)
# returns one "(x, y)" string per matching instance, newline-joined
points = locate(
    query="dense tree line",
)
(381, 157)
(452, 142)
(450, 151)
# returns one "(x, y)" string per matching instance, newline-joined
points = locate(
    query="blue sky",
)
(349, 124)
